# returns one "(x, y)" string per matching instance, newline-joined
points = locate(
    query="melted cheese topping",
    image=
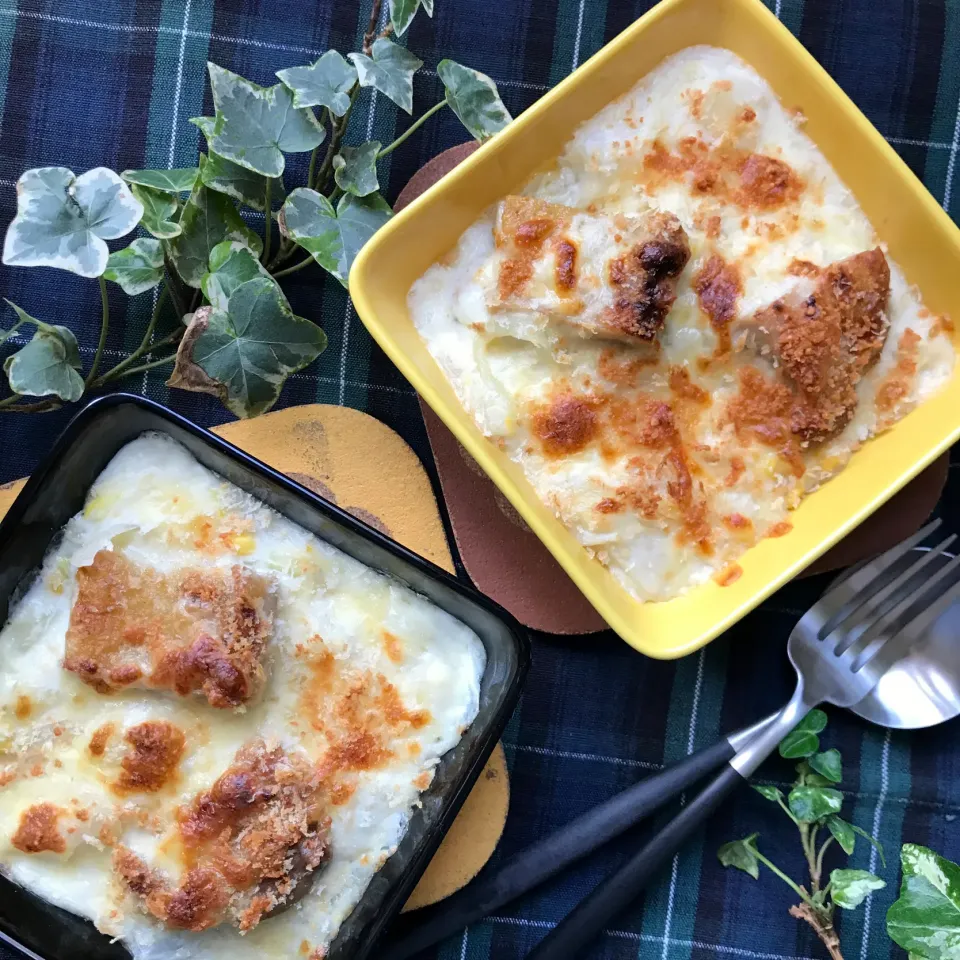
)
(790, 340)
(174, 815)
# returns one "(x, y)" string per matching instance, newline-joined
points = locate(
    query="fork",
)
(840, 649)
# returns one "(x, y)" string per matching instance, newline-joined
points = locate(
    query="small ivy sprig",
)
(233, 333)
(813, 805)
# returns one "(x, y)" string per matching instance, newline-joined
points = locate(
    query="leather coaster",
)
(363, 466)
(509, 564)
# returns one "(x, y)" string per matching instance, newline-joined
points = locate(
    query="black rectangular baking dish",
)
(57, 490)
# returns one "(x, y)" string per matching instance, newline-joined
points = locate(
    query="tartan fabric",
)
(113, 82)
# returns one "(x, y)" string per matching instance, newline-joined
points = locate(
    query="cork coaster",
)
(368, 470)
(508, 563)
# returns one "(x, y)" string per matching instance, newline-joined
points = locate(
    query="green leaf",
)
(875, 843)
(402, 12)
(827, 764)
(473, 97)
(243, 185)
(843, 833)
(742, 855)
(48, 364)
(326, 83)
(231, 264)
(803, 741)
(244, 355)
(159, 209)
(63, 220)
(256, 125)
(136, 268)
(208, 218)
(809, 804)
(180, 180)
(925, 919)
(769, 793)
(390, 71)
(334, 238)
(849, 888)
(355, 169)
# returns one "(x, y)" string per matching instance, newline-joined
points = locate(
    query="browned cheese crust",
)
(251, 843)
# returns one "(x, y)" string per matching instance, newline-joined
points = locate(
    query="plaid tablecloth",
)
(85, 83)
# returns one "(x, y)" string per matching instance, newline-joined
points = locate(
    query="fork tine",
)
(874, 603)
(910, 617)
(837, 602)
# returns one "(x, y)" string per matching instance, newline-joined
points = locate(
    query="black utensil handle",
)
(549, 856)
(582, 925)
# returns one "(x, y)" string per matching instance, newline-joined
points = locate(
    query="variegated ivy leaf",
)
(849, 888)
(208, 218)
(244, 354)
(390, 70)
(326, 83)
(256, 125)
(180, 180)
(231, 264)
(925, 918)
(159, 210)
(63, 220)
(136, 268)
(48, 364)
(402, 13)
(333, 237)
(474, 99)
(243, 185)
(355, 168)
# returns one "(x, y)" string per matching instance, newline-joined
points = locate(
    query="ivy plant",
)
(198, 255)
(813, 804)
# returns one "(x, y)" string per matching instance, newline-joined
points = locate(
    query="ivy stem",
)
(823, 850)
(7, 334)
(294, 268)
(267, 222)
(808, 839)
(803, 895)
(144, 343)
(147, 366)
(324, 117)
(822, 925)
(7, 405)
(104, 327)
(413, 126)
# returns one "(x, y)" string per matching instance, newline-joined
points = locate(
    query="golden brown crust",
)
(250, 842)
(827, 341)
(202, 631)
(752, 181)
(100, 739)
(156, 747)
(644, 280)
(565, 425)
(524, 226)
(899, 380)
(719, 287)
(566, 268)
(38, 830)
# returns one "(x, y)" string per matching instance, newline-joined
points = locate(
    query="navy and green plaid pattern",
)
(114, 83)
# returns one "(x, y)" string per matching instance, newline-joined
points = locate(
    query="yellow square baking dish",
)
(919, 236)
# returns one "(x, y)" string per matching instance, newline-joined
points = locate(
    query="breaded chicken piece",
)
(823, 341)
(608, 277)
(191, 631)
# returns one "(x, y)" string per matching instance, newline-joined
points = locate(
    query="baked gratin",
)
(214, 726)
(683, 328)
